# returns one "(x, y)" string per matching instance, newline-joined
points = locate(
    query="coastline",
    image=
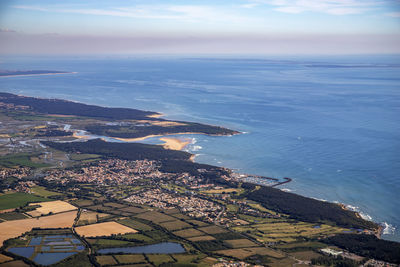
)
(75, 135)
(171, 143)
(156, 116)
(149, 136)
(174, 143)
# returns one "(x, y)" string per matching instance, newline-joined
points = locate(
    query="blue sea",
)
(330, 123)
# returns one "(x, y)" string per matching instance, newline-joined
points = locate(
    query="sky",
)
(203, 26)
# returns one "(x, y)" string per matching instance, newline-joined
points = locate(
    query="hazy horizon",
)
(200, 27)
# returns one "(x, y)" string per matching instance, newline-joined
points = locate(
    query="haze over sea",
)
(330, 123)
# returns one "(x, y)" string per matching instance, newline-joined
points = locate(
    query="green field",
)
(239, 243)
(16, 200)
(155, 217)
(201, 238)
(175, 225)
(158, 259)
(264, 251)
(188, 233)
(9, 216)
(138, 237)
(82, 202)
(80, 157)
(172, 211)
(158, 235)
(301, 246)
(130, 258)
(197, 223)
(181, 216)
(242, 253)
(287, 231)
(188, 259)
(41, 191)
(114, 205)
(101, 242)
(213, 229)
(134, 210)
(77, 260)
(20, 160)
(305, 255)
(106, 260)
(238, 253)
(282, 262)
(99, 208)
(135, 225)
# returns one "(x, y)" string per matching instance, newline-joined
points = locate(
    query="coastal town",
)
(109, 196)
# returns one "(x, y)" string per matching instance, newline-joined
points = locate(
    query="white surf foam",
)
(388, 229)
(320, 199)
(363, 215)
(286, 190)
(196, 148)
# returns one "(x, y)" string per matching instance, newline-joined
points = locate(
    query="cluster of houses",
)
(191, 205)
(107, 172)
(17, 173)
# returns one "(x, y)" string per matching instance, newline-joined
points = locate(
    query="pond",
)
(49, 249)
(35, 241)
(23, 251)
(50, 258)
(160, 248)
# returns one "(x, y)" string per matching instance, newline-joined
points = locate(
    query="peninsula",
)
(10, 73)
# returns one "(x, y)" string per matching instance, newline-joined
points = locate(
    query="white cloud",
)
(334, 7)
(169, 12)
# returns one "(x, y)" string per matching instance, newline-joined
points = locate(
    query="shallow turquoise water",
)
(331, 124)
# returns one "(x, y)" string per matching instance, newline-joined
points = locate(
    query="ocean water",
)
(330, 123)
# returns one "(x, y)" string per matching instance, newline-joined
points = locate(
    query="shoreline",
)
(174, 143)
(150, 136)
(167, 143)
(156, 116)
(177, 144)
(75, 135)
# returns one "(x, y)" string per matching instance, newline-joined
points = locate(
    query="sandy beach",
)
(149, 136)
(75, 134)
(155, 115)
(135, 139)
(174, 143)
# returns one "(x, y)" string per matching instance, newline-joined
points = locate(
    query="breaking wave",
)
(388, 228)
(363, 215)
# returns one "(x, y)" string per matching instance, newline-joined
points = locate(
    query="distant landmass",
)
(6, 73)
(63, 107)
(154, 125)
